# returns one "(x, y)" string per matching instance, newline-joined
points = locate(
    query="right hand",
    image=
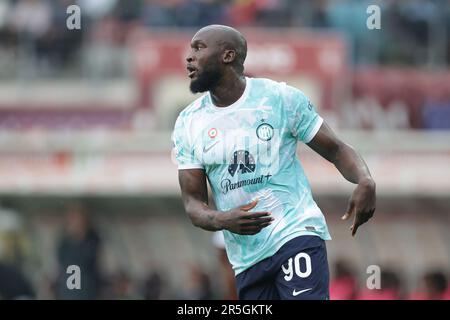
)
(241, 221)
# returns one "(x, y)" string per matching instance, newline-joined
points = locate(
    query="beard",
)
(206, 80)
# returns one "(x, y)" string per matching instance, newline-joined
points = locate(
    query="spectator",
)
(32, 19)
(199, 287)
(433, 286)
(390, 288)
(80, 246)
(153, 287)
(61, 43)
(13, 284)
(344, 285)
(122, 287)
(157, 13)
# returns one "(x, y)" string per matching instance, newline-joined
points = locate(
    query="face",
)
(203, 65)
(76, 221)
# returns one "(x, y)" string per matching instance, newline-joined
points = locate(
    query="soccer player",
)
(241, 136)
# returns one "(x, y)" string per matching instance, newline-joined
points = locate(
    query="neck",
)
(228, 90)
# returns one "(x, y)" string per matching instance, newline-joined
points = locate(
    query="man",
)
(242, 136)
(79, 245)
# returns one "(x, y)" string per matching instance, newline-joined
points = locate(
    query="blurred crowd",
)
(346, 285)
(412, 32)
(33, 34)
(80, 243)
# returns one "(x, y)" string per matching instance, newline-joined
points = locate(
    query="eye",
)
(197, 46)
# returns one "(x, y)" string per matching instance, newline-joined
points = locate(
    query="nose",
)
(189, 58)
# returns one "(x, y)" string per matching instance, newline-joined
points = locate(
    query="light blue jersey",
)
(248, 151)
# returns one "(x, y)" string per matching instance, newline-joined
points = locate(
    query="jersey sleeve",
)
(182, 146)
(304, 121)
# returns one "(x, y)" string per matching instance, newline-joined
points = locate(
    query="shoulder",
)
(267, 84)
(191, 110)
(276, 87)
(287, 93)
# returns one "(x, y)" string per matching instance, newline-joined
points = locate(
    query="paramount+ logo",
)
(242, 162)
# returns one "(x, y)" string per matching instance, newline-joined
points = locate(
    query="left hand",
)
(361, 204)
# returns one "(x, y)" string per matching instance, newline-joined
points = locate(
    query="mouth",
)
(191, 71)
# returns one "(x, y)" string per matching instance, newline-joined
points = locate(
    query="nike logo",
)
(296, 293)
(205, 149)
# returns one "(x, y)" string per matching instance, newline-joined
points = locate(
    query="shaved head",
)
(217, 52)
(227, 38)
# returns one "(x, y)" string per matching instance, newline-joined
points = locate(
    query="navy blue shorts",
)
(298, 271)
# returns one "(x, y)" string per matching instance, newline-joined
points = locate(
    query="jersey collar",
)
(237, 103)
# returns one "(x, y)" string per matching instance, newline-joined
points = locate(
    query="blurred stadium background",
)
(86, 175)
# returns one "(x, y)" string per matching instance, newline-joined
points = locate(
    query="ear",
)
(229, 56)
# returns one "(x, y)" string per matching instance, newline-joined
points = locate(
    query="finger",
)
(255, 215)
(360, 221)
(258, 227)
(254, 230)
(249, 232)
(354, 228)
(249, 206)
(349, 212)
(257, 222)
(265, 225)
(356, 223)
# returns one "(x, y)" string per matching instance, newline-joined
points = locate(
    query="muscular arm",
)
(353, 168)
(195, 199)
(343, 156)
